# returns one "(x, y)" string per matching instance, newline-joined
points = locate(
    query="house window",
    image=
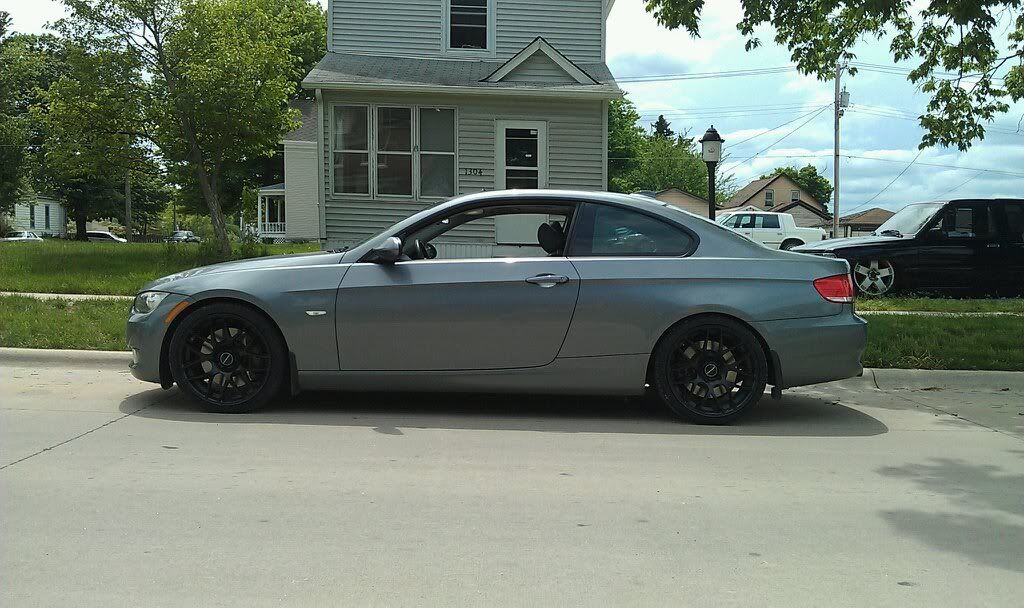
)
(406, 142)
(46, 216)
(351, 150)
(437, 152)
(32, 215)
(468, 24)
(521, 155)
(394, 151)
(769, 198)
(794, 196)
(274, 211)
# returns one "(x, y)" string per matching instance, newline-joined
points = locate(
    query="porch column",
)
(259, 215)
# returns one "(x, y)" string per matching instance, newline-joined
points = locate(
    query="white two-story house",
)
(422, 100)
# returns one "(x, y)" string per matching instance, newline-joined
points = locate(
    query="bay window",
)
(411, 151)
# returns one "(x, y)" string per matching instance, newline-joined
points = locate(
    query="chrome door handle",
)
(548, 280)
(992, 245)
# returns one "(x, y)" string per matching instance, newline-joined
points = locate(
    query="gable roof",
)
(352, 71)
(307, 130)
(786, 206)
(876, 216)
(748, 192)
(539, 45)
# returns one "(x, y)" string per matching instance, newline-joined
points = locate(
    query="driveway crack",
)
(84, 433)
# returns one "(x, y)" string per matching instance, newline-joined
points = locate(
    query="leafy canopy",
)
(971, 77)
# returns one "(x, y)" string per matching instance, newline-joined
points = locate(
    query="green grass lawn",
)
(57, 266)
(921, 304)
(906, 341)
(87, 325)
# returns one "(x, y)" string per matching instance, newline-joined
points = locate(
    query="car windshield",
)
(909, 220)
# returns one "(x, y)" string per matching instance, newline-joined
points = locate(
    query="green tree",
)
(970, 75)
(626, 140)
(221, 74)
(809, 179)
(662, 127)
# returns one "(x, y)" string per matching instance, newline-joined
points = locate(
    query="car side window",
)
(768, 221)
(966, 221)
(606, 230)
(1015, 221)
(747, 221)
(731, 221)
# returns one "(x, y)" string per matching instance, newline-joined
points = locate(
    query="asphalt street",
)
(116, 493)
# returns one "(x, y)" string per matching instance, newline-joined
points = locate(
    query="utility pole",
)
(128, 205)
(842, 99)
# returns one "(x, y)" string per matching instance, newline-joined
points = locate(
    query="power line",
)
(890, 160)
(743, 141)
(704, 75)
(894, 180)
(771, 145)
(962, 184)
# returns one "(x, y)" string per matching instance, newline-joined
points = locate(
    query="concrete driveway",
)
(115, 493)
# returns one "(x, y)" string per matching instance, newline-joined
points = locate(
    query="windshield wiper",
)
(895, 233)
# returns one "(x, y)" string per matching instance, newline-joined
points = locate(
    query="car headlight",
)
(147, 301)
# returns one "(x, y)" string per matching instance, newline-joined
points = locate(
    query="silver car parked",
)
(612, 294)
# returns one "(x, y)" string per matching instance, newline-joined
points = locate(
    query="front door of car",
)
(459, 310)
(767, 230)
(960, 249)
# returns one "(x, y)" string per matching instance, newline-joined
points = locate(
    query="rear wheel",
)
(228, 358)
(791, 243)
(874, 277)
(710, 370)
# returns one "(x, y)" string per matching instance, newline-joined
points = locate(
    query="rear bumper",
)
(820, 349)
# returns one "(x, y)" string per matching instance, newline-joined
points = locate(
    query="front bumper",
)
(145, 334)
(819, 349)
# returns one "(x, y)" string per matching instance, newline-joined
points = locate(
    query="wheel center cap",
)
(710, 370)
(227, 359)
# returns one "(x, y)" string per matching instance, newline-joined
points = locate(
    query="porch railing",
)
(272, 228)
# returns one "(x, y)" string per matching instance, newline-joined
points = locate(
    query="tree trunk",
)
(80, 227)
(206, 186)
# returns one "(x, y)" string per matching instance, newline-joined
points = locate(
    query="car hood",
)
(178, 282)
(856, 241)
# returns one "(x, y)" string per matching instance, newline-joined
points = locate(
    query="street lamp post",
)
(711, 150)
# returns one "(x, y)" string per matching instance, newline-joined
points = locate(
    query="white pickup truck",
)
(775, 230)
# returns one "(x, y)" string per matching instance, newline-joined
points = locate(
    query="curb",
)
(955, 379)
(64, 296)
(71, 358)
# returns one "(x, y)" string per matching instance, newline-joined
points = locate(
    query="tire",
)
(685, 382)
(228, 358)
(791, 243)
(874, 277)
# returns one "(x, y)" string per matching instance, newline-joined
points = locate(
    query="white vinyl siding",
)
(20, 220)
(575, 136)
(418, 27)
(539, 68)
(300, 178)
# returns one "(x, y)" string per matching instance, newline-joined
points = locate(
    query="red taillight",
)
(836, 288)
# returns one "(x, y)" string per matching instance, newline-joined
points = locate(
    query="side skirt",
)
(609, 375)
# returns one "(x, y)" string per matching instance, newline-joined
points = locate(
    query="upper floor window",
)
(394, 151)
(794, 195)
(769, 198)
(468, 24)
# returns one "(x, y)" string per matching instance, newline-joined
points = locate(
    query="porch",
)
(270, 212)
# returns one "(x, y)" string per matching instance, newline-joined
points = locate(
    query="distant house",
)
(43, 215)
(290, 210)
(863, 222)
(422, 100)
(683, 200)
(780, 194)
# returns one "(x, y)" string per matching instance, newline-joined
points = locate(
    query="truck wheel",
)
(790, 243)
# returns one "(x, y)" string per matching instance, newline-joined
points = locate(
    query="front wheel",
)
(709, 371)
(228, 358)
(874, 277)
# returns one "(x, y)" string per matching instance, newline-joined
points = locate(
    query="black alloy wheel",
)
(228, 358)
(710, 370)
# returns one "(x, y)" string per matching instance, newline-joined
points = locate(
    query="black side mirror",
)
(388, 252)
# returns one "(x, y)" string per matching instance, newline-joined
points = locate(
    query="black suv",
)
(960, 245)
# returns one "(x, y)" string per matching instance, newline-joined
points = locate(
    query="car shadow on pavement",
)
(794, 415)
(984, 520)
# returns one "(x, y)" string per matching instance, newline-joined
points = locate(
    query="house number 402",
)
(468, 171)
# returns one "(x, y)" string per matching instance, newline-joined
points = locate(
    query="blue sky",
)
(744, 107)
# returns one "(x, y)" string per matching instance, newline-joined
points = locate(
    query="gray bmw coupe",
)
(515, 291)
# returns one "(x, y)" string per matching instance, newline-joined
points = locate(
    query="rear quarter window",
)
(605, 230)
